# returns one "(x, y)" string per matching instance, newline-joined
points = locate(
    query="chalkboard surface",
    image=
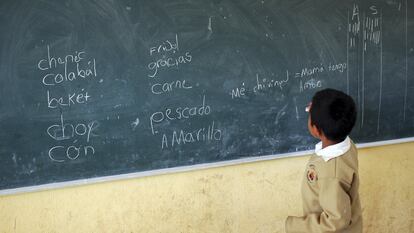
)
(99, 88)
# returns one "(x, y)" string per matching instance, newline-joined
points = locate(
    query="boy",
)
(330, 186)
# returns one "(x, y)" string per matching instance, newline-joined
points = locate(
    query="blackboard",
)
(101, 88)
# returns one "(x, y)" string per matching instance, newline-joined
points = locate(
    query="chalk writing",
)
(75, 66)
(310, 84)
(371, 27)
(309, 71)
(62, 153)
(165, 46)
(238, 92)
(68, 131)
(308, 79)
(166, 60)
(368, 25)
(260, 85)
(264, 83)
(176, 138)
(161, 88)
(354, 26)
(341, 67)
(179, 113)
(83, 68)
(67, 99)
(312, 73)
(53, 62)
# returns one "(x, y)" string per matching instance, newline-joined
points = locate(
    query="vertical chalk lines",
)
(406, 60)
(364, 48)
(296, 109)
(372, 35)
(347, 55)
(354, 26)
(381, 67)
(368, 31)
(209, 28)
(354, 29)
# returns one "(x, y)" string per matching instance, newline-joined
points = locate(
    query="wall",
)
(254, 197)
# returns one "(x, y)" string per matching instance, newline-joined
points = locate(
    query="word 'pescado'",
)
(186, 137)
(178, 114)
(82, 68)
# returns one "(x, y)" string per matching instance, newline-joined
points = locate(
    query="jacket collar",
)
(333, 151)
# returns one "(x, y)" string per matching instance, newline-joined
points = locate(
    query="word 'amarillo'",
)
(200, 135)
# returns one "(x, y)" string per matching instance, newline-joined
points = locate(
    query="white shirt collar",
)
(333, 151)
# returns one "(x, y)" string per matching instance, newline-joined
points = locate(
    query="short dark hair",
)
(334, 113)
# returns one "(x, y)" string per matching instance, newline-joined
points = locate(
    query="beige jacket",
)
(330, 196)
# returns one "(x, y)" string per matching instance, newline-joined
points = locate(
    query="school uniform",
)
(330, 192)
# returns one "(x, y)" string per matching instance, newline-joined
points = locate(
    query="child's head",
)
(333, 114)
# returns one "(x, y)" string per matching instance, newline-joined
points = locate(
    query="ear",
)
(316, 132)
(313, 130)
(322, 136)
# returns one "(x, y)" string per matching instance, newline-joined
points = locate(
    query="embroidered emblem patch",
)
(312, 175)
